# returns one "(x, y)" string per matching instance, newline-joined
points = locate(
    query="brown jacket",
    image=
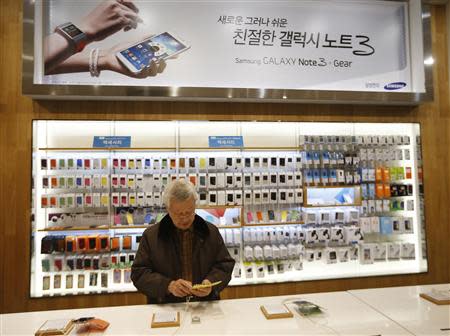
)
(158, 260)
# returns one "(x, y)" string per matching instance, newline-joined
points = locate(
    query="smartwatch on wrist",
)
(73, 34)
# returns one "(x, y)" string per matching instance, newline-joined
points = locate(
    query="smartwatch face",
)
(71, 30)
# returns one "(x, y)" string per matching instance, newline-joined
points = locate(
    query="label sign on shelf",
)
(225, 141)
(112, 142)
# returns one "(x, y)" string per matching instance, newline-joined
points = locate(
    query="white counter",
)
(346, 313)
(404, 306)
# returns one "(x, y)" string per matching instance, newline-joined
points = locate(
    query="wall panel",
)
(17, 112)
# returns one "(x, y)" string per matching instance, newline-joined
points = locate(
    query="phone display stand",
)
(276, 311)
(437, 297)
(55, 327)
(165, 319)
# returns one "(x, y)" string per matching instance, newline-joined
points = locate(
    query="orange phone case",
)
(387, 190)
(126, 242)
(114, 244)
(379, 174)
(386, 175)
(98, 324)
(408, 172)
(54, 182)
(259, 216)
(379, 191)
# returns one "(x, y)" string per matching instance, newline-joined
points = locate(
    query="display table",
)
(404, 306)
(344, 314)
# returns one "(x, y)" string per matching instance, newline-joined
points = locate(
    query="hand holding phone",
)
(109, 61)
(206, 285)
(203, 289)
(139, 56)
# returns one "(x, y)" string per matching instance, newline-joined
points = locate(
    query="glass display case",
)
(293, 201)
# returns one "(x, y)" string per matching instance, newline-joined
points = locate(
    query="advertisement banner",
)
(300, 45)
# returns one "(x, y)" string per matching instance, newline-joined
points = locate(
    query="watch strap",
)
(76, 37)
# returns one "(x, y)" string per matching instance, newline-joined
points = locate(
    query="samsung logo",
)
(395, 86)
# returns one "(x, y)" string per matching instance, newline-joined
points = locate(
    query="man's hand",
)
(201, 292)
(180, 288)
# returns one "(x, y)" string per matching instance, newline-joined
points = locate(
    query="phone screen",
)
(160, 46)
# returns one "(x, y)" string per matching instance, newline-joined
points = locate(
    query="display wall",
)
(292, 201)
(17, 113)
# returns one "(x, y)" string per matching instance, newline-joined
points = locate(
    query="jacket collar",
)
(167, 229)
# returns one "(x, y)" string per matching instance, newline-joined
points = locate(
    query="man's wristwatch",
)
(73, 34)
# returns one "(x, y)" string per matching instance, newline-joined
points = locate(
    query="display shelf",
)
(331, 186)
(332, 206)
(183, 149)
(68, 228)
(108, 149)
(270, 177)
(218, 206)
(273, 223)
(321, 271)
(229, 226)
(130, 226)
(244, 148)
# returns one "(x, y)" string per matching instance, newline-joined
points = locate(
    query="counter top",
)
(383, 311)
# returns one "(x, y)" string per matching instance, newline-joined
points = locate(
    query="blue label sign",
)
(226, 141)
(112, 142)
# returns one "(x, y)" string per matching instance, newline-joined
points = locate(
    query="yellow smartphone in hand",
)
(201, 286)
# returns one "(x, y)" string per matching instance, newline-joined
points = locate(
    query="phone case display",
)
(310, 201)
(272, 187)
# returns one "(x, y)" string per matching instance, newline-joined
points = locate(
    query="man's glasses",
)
(184, 214)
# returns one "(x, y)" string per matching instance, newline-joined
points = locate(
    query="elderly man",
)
(181, 250)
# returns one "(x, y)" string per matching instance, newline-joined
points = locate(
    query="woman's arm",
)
(107, 60)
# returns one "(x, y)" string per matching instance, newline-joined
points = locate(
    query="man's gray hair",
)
(179, 190)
